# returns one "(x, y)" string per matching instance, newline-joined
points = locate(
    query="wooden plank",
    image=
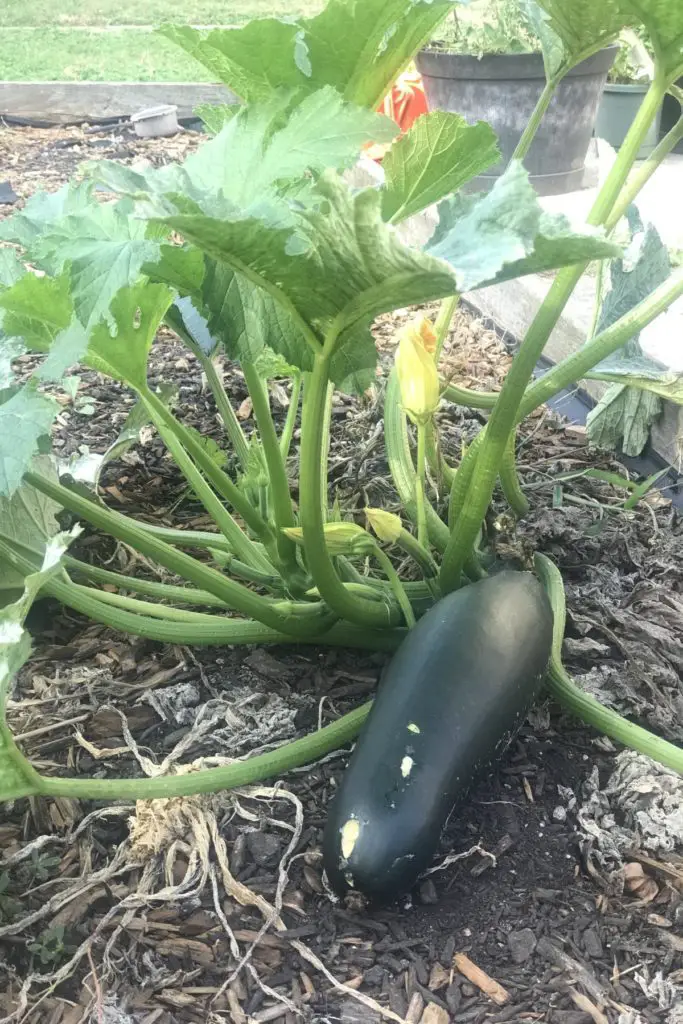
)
(78, 102)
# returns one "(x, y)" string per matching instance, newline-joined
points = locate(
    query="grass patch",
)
(99, 13)
(81, 56)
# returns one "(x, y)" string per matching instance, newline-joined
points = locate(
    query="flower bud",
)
(418, 376)
(386, 525)
(340, 538)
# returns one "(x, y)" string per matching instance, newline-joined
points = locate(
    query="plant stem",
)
(148, 588)
(214, 780)
(281, 502)
(419, 554)
(420, 486)
(443, 323)
(218, 479)
(642, 175)
(231, 424)
(396, 586)
(236, 538)
(290, 422)
(312, 481)
(504, 415)
(213, 630)
(582, 704)
(576, 366)
(509, 479)
(401, 462)
(534, 121)
(472, 399)
(233, 594)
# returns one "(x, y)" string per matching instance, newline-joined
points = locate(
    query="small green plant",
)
(487, 26)
(257, 247)
(50, 947)
(633, 64)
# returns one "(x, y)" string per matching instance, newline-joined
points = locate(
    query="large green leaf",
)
(17, 777)
(261, 147)
(343, 260)
(357, 46)
(36, 309)
(10, 268)
(625, 415)
(29, 519)
(663, 21)
(105, 249)
(506, 234)
(249, 324)
(583, 26)
(439, 154)
(25, 418)
(42, 210)
(137, 312)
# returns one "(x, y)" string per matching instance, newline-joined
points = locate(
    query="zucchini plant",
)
(256, 247)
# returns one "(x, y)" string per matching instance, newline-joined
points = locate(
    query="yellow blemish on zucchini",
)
(349, 837)
(414, 728)
(406, 766)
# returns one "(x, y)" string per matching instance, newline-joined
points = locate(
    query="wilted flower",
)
(418, 376)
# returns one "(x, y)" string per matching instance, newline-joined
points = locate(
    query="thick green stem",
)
(208, 630)
(231, 424)
(233, 594)
(534, 121)
(509, 479)
(290, 422)
(401, 462)
(576, 366)
(281, 501)
(582, 704)
(236, 538)
(219, 480)
(396, 586)
(469, 398)
(420, 486)
(214, 780)
(312, 480)
(504, 415)
(642, 175)
(148, 588)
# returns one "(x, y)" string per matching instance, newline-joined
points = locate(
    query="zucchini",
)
(452, 699)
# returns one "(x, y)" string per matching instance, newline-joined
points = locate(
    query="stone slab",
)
(79, 102)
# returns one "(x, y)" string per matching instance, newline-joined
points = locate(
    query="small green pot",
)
(618, 107)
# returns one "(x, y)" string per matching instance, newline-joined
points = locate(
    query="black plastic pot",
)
(503, 89)
(618, 107)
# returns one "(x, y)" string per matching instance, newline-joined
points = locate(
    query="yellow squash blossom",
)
(418, 376)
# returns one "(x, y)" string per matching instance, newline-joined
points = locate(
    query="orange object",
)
(404, 104)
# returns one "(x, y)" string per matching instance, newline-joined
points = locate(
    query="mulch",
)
(163, 907)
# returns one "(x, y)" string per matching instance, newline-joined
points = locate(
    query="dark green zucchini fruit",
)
(451, 700)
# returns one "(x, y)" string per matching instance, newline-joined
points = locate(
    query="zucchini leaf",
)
(25, 419)
(359, 48)
(29, 519)
(582, 26)
(663, 21)
(627, 410)
(260, 150)
(506, 233)
(436, 157)
(17, 777)
(623, 418)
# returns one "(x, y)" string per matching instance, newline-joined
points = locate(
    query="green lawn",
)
(39, 45)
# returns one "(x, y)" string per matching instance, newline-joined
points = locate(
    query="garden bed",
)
(537, 900)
